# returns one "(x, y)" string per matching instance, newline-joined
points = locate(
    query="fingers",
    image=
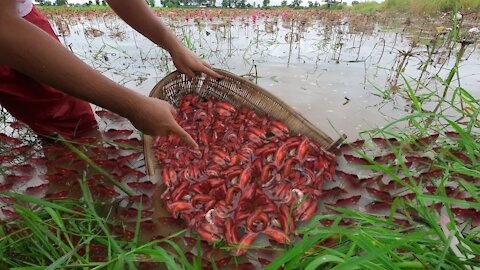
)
(176, 128)
(207, 65)
(173, 111)
(207, 69)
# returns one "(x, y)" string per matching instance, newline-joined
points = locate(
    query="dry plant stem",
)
(452, 73)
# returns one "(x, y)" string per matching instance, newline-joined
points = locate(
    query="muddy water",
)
(331, 75)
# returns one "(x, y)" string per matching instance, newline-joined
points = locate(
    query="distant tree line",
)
(327, 4)
(65, 2)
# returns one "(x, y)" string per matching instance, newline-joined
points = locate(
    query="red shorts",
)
(46, 110)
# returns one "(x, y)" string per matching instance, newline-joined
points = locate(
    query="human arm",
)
(42, 58)
(137, 14)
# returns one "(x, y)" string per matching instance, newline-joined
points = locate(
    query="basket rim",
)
(147, 139)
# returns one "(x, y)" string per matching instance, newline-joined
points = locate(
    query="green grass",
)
(366, 7)
(52, 236)
(432, 6)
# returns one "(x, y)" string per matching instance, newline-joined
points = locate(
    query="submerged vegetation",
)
(432, 7)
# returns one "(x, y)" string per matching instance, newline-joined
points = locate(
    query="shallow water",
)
(330, 74)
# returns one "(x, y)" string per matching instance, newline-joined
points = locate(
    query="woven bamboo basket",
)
(240, 93)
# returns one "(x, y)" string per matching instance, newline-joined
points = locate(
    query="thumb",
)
(177, 129)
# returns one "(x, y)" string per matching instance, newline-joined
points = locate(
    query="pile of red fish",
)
(248, 177)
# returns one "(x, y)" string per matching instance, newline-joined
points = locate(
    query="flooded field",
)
(390, 192)
(341, 72)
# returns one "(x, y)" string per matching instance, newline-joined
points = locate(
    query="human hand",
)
(156, 117)
(189, 64)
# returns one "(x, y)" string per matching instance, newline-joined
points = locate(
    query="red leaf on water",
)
(332, 193)
(17, 178)
(378, 206)
(264, 262)
(461, 156)
(223, 262)
(125, 170)
(98, 258)
(102, 190)
(385, 158)
(464, 177)
(343, 222)
(9, 213)
(382, 142)
(128, 158)
(147, 224)
(38, 161)
(354, 145)
(96, 248)
(409, 196)
(370, 181)
(419, 160)
(39, 188)
(57, 195)
(67, 173)
(347, 202)
(24, 168)
(349, 178)
(137, 198)
(9, 140)
(466, 212)
(115, 132)
(378, 194)
(86, 140)
(425, 141)
(399, 221)
(21, 149)
(356, 160)
(434, 173)
(54, 150)
(170, 221)
(55, 178)
(452, 134)
(142, 185)
(133, 213)
(6, 187)
(132, 142)
(7, 200)
(391, 185)
(7, 158)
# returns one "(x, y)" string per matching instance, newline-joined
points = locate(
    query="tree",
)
(284, 3)
(170, 3)
(266, 3)
(296, 3)
(60, 2)
(227, 3)
(151, 3)
(97, 2)
(104, 3)
(211, 3)
(310, 4)
(240, 3)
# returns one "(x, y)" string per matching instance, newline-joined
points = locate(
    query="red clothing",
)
(46, 110)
